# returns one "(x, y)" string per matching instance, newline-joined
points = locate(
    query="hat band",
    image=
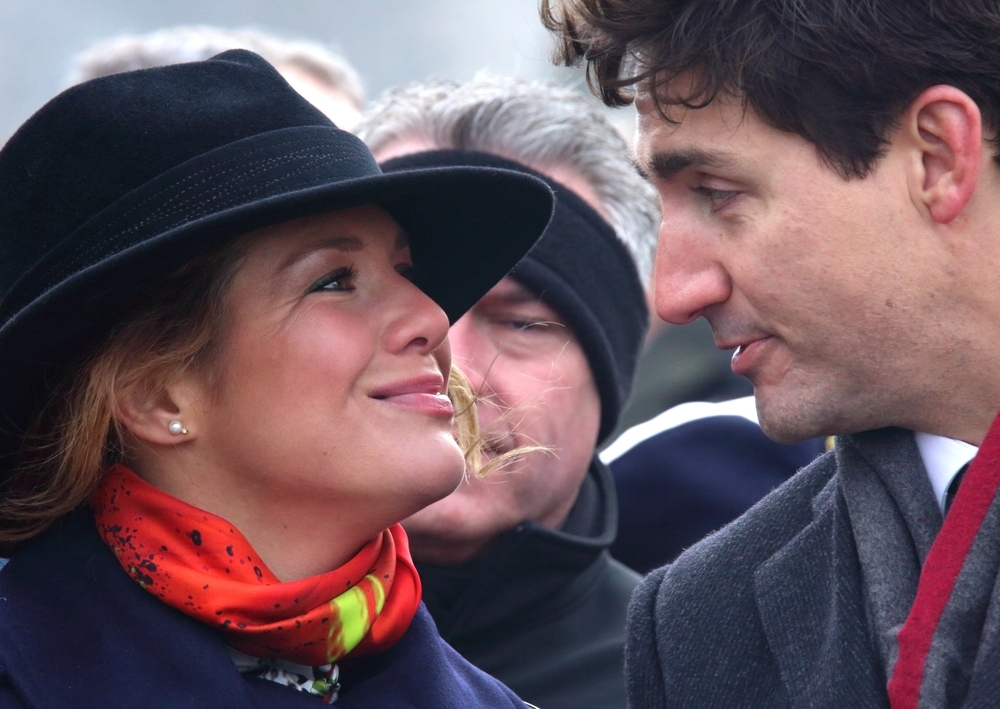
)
(240, 174)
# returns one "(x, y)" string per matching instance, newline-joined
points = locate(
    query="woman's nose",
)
(416, 322)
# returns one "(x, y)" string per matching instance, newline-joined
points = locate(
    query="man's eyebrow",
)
(665, 166)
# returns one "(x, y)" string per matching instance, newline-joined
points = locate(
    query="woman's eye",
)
(340, 280)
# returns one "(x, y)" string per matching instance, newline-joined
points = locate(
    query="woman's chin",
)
(440, 483)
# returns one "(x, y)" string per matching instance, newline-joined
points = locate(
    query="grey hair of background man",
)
(198, 42)
(533, 122)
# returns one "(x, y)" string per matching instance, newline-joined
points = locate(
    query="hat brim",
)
(467, 227)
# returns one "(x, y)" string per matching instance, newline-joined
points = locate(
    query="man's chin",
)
(784, 422)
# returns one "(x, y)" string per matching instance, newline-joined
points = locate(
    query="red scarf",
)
(202, 566)
(920, 638)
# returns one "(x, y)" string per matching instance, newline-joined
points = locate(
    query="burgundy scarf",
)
(951, 634)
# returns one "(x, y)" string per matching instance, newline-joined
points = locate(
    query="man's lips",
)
(425, 394)
(748, 355)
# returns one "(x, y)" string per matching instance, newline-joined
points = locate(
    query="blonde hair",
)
(78, 434)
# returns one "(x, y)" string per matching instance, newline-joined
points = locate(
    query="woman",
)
(224, 378)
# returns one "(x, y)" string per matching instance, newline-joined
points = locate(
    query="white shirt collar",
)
(943, 458)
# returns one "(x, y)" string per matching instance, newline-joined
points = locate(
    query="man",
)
(515, 566)
(323, 78)
(830, 173)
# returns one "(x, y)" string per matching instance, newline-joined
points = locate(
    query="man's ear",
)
(945, 127)
(164, 416)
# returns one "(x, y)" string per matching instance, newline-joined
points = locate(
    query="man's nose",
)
(687, 279)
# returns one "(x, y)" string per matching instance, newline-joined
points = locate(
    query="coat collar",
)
(810, 593)
(75, 630)
(66, 598)
(526, 566)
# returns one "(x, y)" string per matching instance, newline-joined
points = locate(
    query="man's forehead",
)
(718, 136)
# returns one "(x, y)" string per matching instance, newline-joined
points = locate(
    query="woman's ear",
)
(945, 127)
(164, 416)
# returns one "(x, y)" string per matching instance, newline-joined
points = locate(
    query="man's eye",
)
(340, 280)
(713, 195)
(405, 270)
(529, 325)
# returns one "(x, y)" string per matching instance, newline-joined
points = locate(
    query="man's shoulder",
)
(572, 655)
(705, 603)
(764, 529)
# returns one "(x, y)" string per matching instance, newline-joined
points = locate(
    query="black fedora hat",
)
(118, 182)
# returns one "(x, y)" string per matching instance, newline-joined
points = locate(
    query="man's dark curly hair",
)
(836, 72)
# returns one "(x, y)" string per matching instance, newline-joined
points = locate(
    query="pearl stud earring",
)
(176, 428)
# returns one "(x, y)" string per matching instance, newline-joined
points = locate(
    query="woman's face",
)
(329, 393)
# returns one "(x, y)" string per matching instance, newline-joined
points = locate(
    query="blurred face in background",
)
(536, 388)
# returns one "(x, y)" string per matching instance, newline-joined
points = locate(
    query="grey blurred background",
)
(388, 41)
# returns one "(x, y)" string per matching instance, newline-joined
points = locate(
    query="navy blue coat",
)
(76, 631)
(690, 471)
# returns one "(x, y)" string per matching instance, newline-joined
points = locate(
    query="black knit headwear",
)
(583, 270)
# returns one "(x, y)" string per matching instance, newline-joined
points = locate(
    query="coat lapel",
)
(894, 519)
(810, 601)
(65, 596)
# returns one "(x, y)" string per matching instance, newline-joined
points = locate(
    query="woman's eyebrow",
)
(336, 243)
(340, 243)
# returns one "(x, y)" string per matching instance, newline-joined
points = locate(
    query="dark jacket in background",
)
(76, 631)
(685, 476)
(544, 611)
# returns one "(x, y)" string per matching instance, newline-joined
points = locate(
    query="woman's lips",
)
(434, 404)
(422, 394)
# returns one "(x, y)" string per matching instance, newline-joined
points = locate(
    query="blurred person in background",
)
(516, 569)
(321, 76)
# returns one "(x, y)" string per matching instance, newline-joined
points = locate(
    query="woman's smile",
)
(423, 394)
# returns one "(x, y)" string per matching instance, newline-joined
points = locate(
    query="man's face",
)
(829, 287)
(535, 388)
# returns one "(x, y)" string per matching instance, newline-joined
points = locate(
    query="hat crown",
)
(91, 146)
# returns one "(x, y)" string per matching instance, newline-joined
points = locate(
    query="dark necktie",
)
(949, 496)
